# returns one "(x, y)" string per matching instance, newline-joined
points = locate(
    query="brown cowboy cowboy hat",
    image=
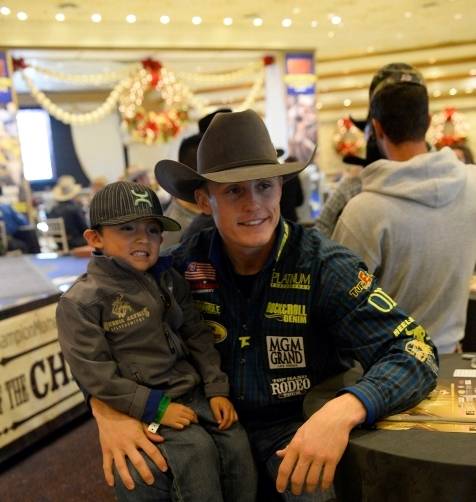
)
(235, 147)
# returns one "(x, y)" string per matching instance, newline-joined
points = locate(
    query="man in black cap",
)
(413, 223)
(289, 308)
(351, 184)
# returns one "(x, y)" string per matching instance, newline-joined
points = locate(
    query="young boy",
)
(140, 346)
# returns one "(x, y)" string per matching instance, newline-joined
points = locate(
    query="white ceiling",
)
(367, 25)
(437, 36)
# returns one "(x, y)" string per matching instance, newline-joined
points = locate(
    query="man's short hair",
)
(402, 110)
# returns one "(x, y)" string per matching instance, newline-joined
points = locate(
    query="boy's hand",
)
(178, 416)
(223, 411)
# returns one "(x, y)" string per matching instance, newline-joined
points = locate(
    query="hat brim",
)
(181, 181)
(167, 223)
(59, 196)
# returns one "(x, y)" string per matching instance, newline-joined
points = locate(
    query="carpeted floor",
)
(65, 467)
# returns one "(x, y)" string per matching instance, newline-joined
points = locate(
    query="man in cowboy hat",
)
(65, 193)
(289, 308)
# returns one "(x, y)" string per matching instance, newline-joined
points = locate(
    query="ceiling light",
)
(399, 36)
(458, 16)
(60, 17)
(165, 19)
(314, 23)
(131, 18)
(453, 91)
(196, 20)
(436, 93)
(468, 90)
(286, 22)
(319, 105)
(228, 21)
(96, 18)
(370, 49)
(331, 34)
(296, 10)
(347, 102)
(408, 14)
(22, 16)
(335, 19)
(472, 72)
(432, 60)
(257, 21)
(5, 11)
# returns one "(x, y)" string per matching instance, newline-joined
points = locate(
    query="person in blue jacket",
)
(289, 309)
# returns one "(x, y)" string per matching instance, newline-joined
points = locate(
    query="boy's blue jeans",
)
(205, 463)
(265, 442)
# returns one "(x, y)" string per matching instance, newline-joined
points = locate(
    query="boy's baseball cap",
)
(125, 201)
(395, 73)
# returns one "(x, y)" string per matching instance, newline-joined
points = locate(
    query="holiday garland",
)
(134, 82)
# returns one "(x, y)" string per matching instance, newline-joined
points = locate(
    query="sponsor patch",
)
(207, 307)
(285, 352)
(219, 331)
(126, 315)
(296, 280)
(365, 281)
(201, 277)
(290, 386)
(293, 313)
(401, 327)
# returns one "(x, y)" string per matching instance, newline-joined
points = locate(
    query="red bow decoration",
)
(153, 67)
(19, 64)
(449, 112)
(268, 60)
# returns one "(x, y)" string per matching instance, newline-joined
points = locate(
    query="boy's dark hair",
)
(402, 110)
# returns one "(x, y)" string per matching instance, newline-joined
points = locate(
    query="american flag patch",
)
(197, 271)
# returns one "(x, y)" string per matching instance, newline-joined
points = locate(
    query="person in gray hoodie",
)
(414, 221)
(141, 346)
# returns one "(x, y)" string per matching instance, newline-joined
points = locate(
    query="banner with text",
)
(36, 384)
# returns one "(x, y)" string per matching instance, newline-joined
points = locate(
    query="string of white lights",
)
(94, 78)
(78, 118)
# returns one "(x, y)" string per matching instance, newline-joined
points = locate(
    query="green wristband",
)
(164, 402)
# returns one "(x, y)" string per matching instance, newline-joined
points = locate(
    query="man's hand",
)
(223, 411)
(122, 437)
(318, 445)
(178, 416)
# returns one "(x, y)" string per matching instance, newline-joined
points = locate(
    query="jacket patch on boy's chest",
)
(124, 315)
(201, 277)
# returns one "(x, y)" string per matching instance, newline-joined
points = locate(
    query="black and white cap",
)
(125, 201)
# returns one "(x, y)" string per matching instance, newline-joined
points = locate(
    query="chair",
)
(3, 238)
(53, 235)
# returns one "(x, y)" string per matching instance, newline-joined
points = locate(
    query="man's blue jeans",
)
(206, 464)
(265, 441)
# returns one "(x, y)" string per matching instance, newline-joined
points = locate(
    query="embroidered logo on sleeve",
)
(365, 281)
(285, 352)
(126, 315)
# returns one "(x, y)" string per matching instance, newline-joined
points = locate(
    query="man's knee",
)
(158, 491)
